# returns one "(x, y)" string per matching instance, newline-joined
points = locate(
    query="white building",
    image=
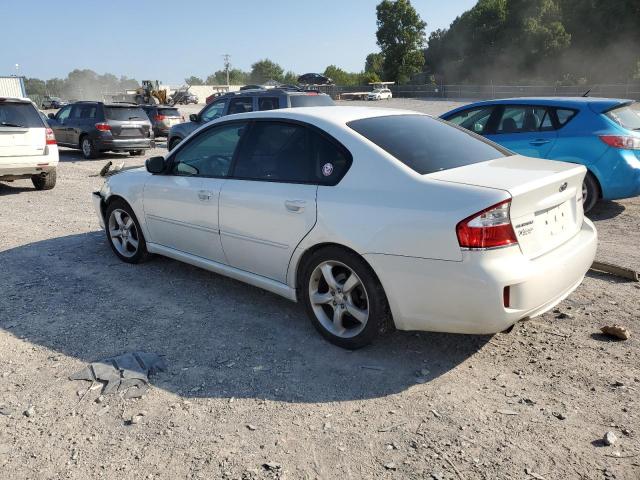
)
(12, 87)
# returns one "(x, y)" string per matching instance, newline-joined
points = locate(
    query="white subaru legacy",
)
(28, 146)
(373, 219)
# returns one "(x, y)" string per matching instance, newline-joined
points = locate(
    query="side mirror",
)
(51, 116)
(155, 165)
(194, 117)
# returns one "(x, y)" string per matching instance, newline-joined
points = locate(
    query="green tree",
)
(374, 63)
(236, 77)
(366, 78)
(290, 78)
(340, 76)
(264, 70)
(192, 80)
(400, 37)
(55, 87)
(35, 86)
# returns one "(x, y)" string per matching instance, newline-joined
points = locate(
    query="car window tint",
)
(209, 154)
(125, 113)
(84, 112)
(329, 161)
(240, 105)
(564, 115)
(267, 103)
(525, 118)
(276, 152)
(474, 119)
(426, 144)
(20, 115)
(63, 114)
(169, 112)
(215, 110)
(625, 117)
(311, 100)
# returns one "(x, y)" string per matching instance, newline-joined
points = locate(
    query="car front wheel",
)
(124, 233)
(344, 298)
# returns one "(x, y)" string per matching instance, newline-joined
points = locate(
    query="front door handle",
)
(205, 195)
(539, 141)
(296, 206)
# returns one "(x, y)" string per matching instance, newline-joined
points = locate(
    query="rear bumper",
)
(618, 172)
(467, 296)
(125, 144)
(26, 166)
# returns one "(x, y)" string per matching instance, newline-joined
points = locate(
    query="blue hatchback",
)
(603, 134)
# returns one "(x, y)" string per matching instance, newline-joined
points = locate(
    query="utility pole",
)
(227, 64)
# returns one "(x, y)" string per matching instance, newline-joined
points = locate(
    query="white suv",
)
(379, 94)
(28, 146)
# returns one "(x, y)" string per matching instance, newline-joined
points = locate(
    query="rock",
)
(30, 412)
(390, 466)
(559, 415)
(74, 454)
(6, 411)
(100, 399)
(271, 466)
(437, 476)
(251, 427)
(626, 431)
(610, 438)
(563, 316)
(507, 412)
(616, 331)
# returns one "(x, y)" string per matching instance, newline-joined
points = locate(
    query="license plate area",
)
(555, 222)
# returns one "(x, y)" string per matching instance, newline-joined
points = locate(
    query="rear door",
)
(240, 105)
(526, 129)
(268, 205)
(181, 206)
(82, 119)
(22, 132)
(127, 122)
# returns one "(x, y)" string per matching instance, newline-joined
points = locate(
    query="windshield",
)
(425, 144)
(626, 117)
(307, 100)
(169, 112)
(125, 113)
(22, 115)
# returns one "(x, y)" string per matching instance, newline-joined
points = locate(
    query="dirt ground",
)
(253, 392)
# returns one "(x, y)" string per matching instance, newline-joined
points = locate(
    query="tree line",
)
(80, 84)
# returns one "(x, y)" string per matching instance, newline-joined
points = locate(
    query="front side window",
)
(475, 119)
(210, 153)
(63, 114)
(525, 118)
(216, 110)
(240, 105)
(425, 144)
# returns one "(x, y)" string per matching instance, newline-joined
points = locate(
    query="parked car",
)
(212, 97)
(52, 102)
(27, 145)
(380, 94)
(314, 79)
(95, 127)
(162, 118)
(371, 218)
(246, 101)
(603, 134)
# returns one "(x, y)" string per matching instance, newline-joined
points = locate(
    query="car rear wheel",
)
(344, 298)
(590, 192)
(88, 148)
(124, 233)
(44, 181)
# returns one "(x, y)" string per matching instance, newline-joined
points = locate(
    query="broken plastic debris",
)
(128, 373)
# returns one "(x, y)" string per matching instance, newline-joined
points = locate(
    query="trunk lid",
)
(546, 205)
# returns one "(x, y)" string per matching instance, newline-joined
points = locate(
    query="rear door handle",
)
(296, 206)
(539, 141)
(205, 195)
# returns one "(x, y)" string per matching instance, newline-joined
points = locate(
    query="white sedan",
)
(373, 219)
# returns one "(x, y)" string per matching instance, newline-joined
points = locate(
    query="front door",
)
(525, 129)
(59, 124)
(181, 206)
(268, 204)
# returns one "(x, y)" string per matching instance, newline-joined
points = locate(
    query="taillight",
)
(103, 127)
(50, 138)
(621, 141)
(489, 228)
(159, 118)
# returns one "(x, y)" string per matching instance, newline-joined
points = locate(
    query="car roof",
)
(15, 100)
(597, 104)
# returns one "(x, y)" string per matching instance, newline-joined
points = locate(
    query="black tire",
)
(89, 151)
(379, 314)
(590, 192)
(136, 153)
(141, 254)
(44, 181)
(173, 143)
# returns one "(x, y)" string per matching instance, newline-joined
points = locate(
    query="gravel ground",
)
(251, 390)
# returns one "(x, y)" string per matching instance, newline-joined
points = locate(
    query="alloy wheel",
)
(339, 299)
(123, 233)
(86, 147)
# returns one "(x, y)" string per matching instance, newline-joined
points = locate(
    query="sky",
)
(170, 40)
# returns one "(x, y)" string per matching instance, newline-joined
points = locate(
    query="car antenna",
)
(586, 94)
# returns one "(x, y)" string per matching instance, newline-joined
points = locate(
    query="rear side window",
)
(425, 144)
(475, 119)
(267, 103)
(288, 152)
(564, 116)
(310, 100)
(240, 105)
(19, 115)
(125, 113)
(84, 112)
(169, 112)
(626, 117)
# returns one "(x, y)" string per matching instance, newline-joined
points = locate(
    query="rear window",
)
(19, 115)
(307, 100)
(125, 113)
(626, 117)
(425, 144)
(169, 112)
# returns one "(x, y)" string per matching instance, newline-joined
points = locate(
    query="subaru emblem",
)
(564, 186)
